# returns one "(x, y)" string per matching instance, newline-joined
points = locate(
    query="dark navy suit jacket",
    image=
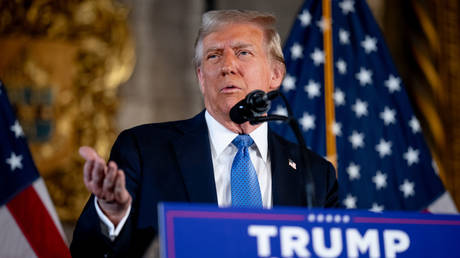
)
(171, 162)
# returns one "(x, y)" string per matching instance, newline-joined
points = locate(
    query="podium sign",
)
(207, 231)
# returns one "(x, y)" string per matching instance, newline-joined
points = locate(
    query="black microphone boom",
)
(255, 104)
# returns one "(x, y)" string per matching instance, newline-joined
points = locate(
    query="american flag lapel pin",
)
(292, 164)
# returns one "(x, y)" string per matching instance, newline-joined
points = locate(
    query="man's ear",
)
(199, 74)
(278, 71)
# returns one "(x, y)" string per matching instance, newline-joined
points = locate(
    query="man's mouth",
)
(230, 88)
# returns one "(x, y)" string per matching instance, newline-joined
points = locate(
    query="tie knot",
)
(243, 140)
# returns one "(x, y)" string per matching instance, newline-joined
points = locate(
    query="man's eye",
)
(244, 53)
(212, 56)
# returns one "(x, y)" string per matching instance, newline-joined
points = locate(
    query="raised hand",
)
(107, 183)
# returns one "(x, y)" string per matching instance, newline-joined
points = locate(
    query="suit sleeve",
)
(332, 196)
(88, 238)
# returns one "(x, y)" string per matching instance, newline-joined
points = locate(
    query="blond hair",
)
(213, 20)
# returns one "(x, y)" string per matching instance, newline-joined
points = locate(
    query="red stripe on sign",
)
(37, 225)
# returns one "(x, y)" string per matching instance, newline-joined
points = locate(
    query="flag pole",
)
(331, 150)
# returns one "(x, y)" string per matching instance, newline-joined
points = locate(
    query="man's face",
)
(234, 63)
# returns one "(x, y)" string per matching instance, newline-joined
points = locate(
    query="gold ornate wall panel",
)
(62, 63)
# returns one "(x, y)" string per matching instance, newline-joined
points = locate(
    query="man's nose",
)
(229, 64)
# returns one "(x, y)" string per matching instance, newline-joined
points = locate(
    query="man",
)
(193, 160)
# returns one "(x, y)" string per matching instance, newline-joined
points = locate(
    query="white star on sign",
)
(369, 44)
(347, 6)
(14, 161)
(380, 180)
(339, 97)
(360, 108)
(407, 188)
(17, 129)
(356, 139)
(353, 171)
(350, 202)
(364, 76)
(337, 129)
(344, 37)
(312, 88)
(414, 125)
(317, 56)
(411, 156)
(289, 83)
(305, 18)
(393, 83)
(296, 51)
(388, 116)
(323, 24)
(280, 110)
(341, 66)
(376, 207)
(307, 121)
(383, 148)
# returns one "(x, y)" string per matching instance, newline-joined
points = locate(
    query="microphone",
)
(255, 104)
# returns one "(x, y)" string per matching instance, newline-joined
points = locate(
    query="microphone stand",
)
(309, 184)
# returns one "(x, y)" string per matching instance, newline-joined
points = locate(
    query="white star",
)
(350, 201)
(376, 207)
(380, 180)
(407, 188)
(17, 129)
(317, 56)
(383, 148)
(296, 51)
(347, 6)
(411, 156)
(280, 110)
(339, 97)
(344, 37)
(360, 108)
(289, 83)
(323, 24)
(305, 18)
(337, 129)
(14, 161)
(393, 83)
(388, 116)
(364, 76)
(341, 66)
(369, 44)
(312, 88)
(353, 171)
(356, 139)
(307, 121)
(414, 124)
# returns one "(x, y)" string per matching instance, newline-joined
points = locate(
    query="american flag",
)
(383, 162)
(28, 222)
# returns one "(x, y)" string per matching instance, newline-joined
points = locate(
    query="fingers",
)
(108, 184)
(122, 195)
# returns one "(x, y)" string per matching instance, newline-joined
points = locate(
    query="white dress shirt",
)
(223, 152)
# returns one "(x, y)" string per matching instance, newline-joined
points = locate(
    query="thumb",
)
(88, 153)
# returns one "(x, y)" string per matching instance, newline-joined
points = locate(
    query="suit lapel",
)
(287, 174)
(194, 157)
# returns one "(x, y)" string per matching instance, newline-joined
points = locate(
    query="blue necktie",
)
(245, 186)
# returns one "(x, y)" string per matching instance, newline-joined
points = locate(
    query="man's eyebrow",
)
(243, 45)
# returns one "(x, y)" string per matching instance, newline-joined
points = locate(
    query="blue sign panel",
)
(207, 231)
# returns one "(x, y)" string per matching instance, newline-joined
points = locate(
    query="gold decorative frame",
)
(62, 63)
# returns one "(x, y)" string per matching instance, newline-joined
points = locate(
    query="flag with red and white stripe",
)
(29, 224)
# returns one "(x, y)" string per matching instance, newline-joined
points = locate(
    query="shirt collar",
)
(221, 137)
